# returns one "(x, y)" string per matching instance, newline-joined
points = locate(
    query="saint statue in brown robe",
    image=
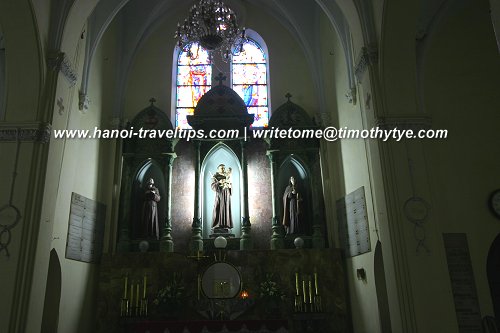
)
(150, 211)
(221, 184)
(291, 208)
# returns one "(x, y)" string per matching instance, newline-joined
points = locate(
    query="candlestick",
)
(199, 286)
(137, 294)
(297, 283)
(304, 290)
(316, 283)
(310, 292)
(144, 292)
(125, 292)
(131, 297)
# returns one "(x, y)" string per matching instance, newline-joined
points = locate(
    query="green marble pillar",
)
(196, 243)
(246, 239)
(167, 243)
(277, 239)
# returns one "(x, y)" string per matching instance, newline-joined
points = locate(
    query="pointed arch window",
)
(194, 79)
(250, 81)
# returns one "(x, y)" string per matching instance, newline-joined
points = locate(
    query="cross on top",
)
(221, 77)
(152, 100)
(288, 95)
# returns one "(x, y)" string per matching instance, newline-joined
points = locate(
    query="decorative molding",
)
(414, 123)
(367, 57)
(352, 95)
(59, 62)
(83, 101)
(321, 119)
(26, 132)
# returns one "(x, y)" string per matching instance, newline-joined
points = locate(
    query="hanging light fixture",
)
(212, 25)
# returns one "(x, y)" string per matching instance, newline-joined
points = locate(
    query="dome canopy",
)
(220, 108)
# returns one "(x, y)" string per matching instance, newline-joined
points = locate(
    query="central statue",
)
(221, 184)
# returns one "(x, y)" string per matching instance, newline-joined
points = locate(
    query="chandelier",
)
(212, 25)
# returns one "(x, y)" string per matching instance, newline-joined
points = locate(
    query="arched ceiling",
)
(139, 19)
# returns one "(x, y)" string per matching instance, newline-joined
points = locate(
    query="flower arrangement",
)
(172, 293)
(270, 288)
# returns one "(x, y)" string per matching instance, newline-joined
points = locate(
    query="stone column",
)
(246, 240)
(167, 243)
(318, 239)
(277, 239)
(124, 214)
(196, 243)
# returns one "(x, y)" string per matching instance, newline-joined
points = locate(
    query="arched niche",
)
(293, 166)
(150, 169)
(220, 154)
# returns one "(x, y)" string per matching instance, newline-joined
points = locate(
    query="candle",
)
(131, 294)
(310, 292)
(144, 292)
(125, 292)
(199, 286)
(304, 290)
(137, 298)
(316, 283)
(297, 283)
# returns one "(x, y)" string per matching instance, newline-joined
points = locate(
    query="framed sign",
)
(85, 229)
(354, 232)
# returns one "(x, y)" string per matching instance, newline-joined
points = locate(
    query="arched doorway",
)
(493, 272)
(381, 288)
(50, 318)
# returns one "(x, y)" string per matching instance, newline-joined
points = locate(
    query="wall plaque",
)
(463, 285)
(353, 223)
(85, 229)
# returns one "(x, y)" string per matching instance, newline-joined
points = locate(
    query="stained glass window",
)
(249, 79)
(194, 79)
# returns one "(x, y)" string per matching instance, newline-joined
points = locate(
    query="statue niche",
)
(221, 200)
(144, 213)
(220, 108)
(299, 201)
(295, 198)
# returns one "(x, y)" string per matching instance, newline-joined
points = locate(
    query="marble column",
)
(277, 239)
(246, 239)
(196, 243)
(167, 243)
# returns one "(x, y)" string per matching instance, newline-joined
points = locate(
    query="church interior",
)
(246, 233)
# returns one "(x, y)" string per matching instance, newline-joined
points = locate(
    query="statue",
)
(291, 208)
(221, 184)
(150, 211)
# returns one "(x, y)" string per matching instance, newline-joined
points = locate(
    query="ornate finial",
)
(152, 100)
(288, 95)
(221, 77)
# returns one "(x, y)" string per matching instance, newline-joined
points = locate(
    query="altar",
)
(279, 291)
(222, 235)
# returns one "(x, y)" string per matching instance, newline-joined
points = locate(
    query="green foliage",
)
(271, 288)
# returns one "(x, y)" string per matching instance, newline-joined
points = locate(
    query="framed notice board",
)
(354, 232)
(85, 229)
